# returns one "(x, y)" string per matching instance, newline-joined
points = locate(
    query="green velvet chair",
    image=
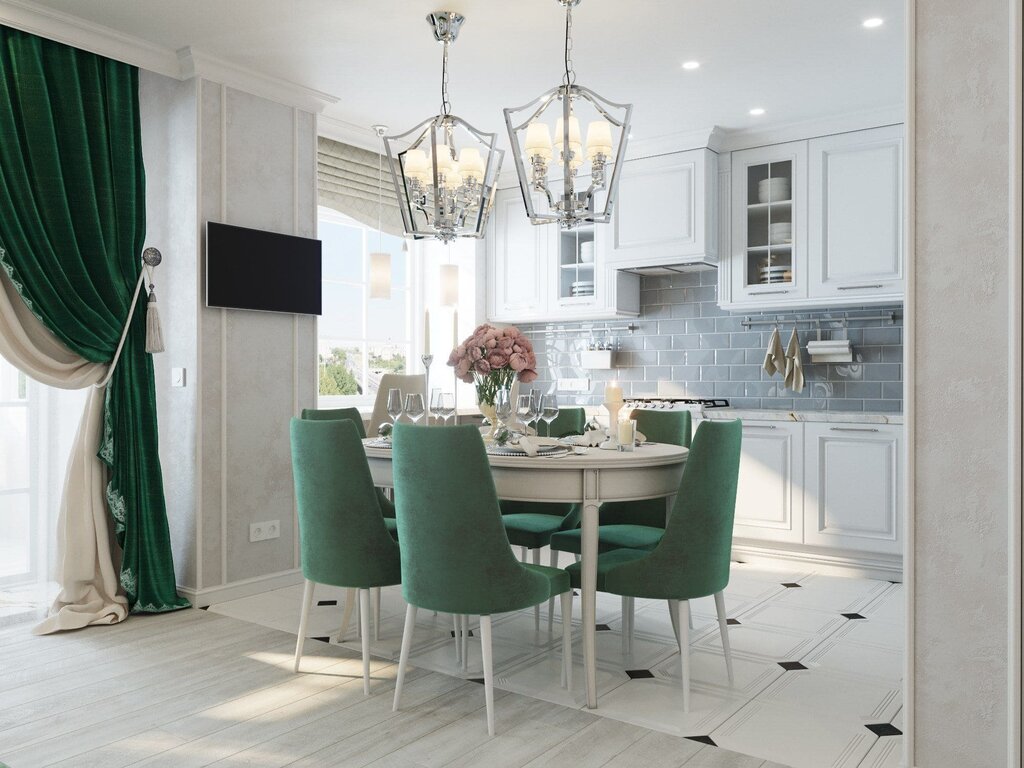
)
(387, 507)
(530, 524)
(342, 537)
(456, 556)
(692, 559)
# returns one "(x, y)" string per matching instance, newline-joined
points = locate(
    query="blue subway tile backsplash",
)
(683, 337)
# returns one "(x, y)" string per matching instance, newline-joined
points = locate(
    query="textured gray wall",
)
(960, 380)
(686, 339)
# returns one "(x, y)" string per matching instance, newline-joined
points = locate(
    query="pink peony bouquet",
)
(491, 358)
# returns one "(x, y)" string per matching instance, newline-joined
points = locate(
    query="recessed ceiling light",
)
(691, 65)
(757, 111)
(873, 22)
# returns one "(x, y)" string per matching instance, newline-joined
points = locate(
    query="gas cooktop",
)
(677, 402)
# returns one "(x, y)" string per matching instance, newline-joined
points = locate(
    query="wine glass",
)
(414, 406)
(447, 405)
(503, 405)
(394, 404)
(549, 409)
(525, 410)
(435, 403)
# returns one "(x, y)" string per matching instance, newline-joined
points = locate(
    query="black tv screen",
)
(251, 269)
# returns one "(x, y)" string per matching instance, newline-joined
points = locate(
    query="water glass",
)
(549, 409)
(627, 435)
(435, 403)
(447, 405)
(525, 410)
(414, 406)
(394, 404)
(503, 405)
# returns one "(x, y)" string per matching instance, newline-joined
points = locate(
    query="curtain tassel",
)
(154, 334)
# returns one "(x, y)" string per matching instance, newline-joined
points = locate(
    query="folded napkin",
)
(794, 367)
(528, 445)
(774, 358)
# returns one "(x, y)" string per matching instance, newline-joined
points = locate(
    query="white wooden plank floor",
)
(198, 689)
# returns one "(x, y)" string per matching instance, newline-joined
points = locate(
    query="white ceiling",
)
(798, 59)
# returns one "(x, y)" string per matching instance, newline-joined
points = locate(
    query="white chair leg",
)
(307, 601)
(376, 612)
(536, 608)
(485, 644)
(364, 628)
(723, 628)
(553, 562)
(457, 634)
(684, 650)
(691, 621)
(673, 614)
(567, 639)
(350, 603)
(625, 625)
(403, 658)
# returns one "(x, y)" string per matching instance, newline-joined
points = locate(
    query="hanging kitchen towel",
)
(794, 367)
(774, 359)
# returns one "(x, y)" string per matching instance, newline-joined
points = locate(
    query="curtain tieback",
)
(154, 336)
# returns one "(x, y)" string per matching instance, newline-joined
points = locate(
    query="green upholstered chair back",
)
(692, 559)
(342, 535)
(670, 427)
(336, 414)
(570, 421)
(455, 553)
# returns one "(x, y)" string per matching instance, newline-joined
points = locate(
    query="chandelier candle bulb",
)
(599, 139)
(417, 166)
(538, 140)
(471, 165)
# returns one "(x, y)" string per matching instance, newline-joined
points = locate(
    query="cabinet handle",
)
(859, 287)
(759, 426)
(853, 429)
(765, 293)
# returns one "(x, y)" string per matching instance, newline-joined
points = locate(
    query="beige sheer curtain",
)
(86, 569)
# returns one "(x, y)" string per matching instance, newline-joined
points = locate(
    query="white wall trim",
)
(783, 132)
(856, 565)
(909, 371)
(1015, 610)
(348, 133)
(244, 588)
(95, 38)
(195, 63)
(182, 65)
(200, 306)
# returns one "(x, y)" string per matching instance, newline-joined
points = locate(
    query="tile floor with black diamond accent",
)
(818, 662)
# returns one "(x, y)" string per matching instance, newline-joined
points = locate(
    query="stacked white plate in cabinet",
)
(781, 273)
(773, 190)
(780, 232)
(582, 288)
(587, 252)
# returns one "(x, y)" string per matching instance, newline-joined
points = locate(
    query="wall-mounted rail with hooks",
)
(748, 322)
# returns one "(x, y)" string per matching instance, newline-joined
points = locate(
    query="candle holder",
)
(427, 361)
(612, 443)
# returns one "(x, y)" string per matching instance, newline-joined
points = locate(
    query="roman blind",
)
(347, 181)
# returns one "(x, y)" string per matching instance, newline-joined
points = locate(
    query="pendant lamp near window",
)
(380, 262)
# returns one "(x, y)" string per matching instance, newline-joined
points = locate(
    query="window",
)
(360, 339)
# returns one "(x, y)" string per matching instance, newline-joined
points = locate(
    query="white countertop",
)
(838, 417)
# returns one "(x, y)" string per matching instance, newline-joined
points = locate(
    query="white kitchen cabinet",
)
(843, 205)
(852, 479)
(665, 211)
(769, 495)
(519, 261)
(856, 221)
(769, 224)
(531, 270)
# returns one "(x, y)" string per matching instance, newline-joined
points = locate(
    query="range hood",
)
(674, 269)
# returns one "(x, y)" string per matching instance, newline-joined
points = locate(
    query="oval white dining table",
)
(651, 471)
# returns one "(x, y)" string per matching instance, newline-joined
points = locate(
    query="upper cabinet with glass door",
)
(769, 228)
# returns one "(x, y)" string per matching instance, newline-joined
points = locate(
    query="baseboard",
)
(200, 598)
(882, 567)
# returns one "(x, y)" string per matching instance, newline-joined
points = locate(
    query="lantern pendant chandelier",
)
(446, 177)
(579, 199)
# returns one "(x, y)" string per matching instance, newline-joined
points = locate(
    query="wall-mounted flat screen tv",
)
(266, 271)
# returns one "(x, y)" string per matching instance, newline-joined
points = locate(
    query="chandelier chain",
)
(570, 73)
(446, 104)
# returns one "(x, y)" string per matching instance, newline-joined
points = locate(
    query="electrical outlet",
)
(574, 385)
(271, 529)
(178, 377)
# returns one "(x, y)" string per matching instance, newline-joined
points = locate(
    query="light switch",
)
(177, 377)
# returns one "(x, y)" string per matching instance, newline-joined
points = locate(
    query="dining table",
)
(588, 478)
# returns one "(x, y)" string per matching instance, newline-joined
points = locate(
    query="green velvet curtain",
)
(72, 225)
